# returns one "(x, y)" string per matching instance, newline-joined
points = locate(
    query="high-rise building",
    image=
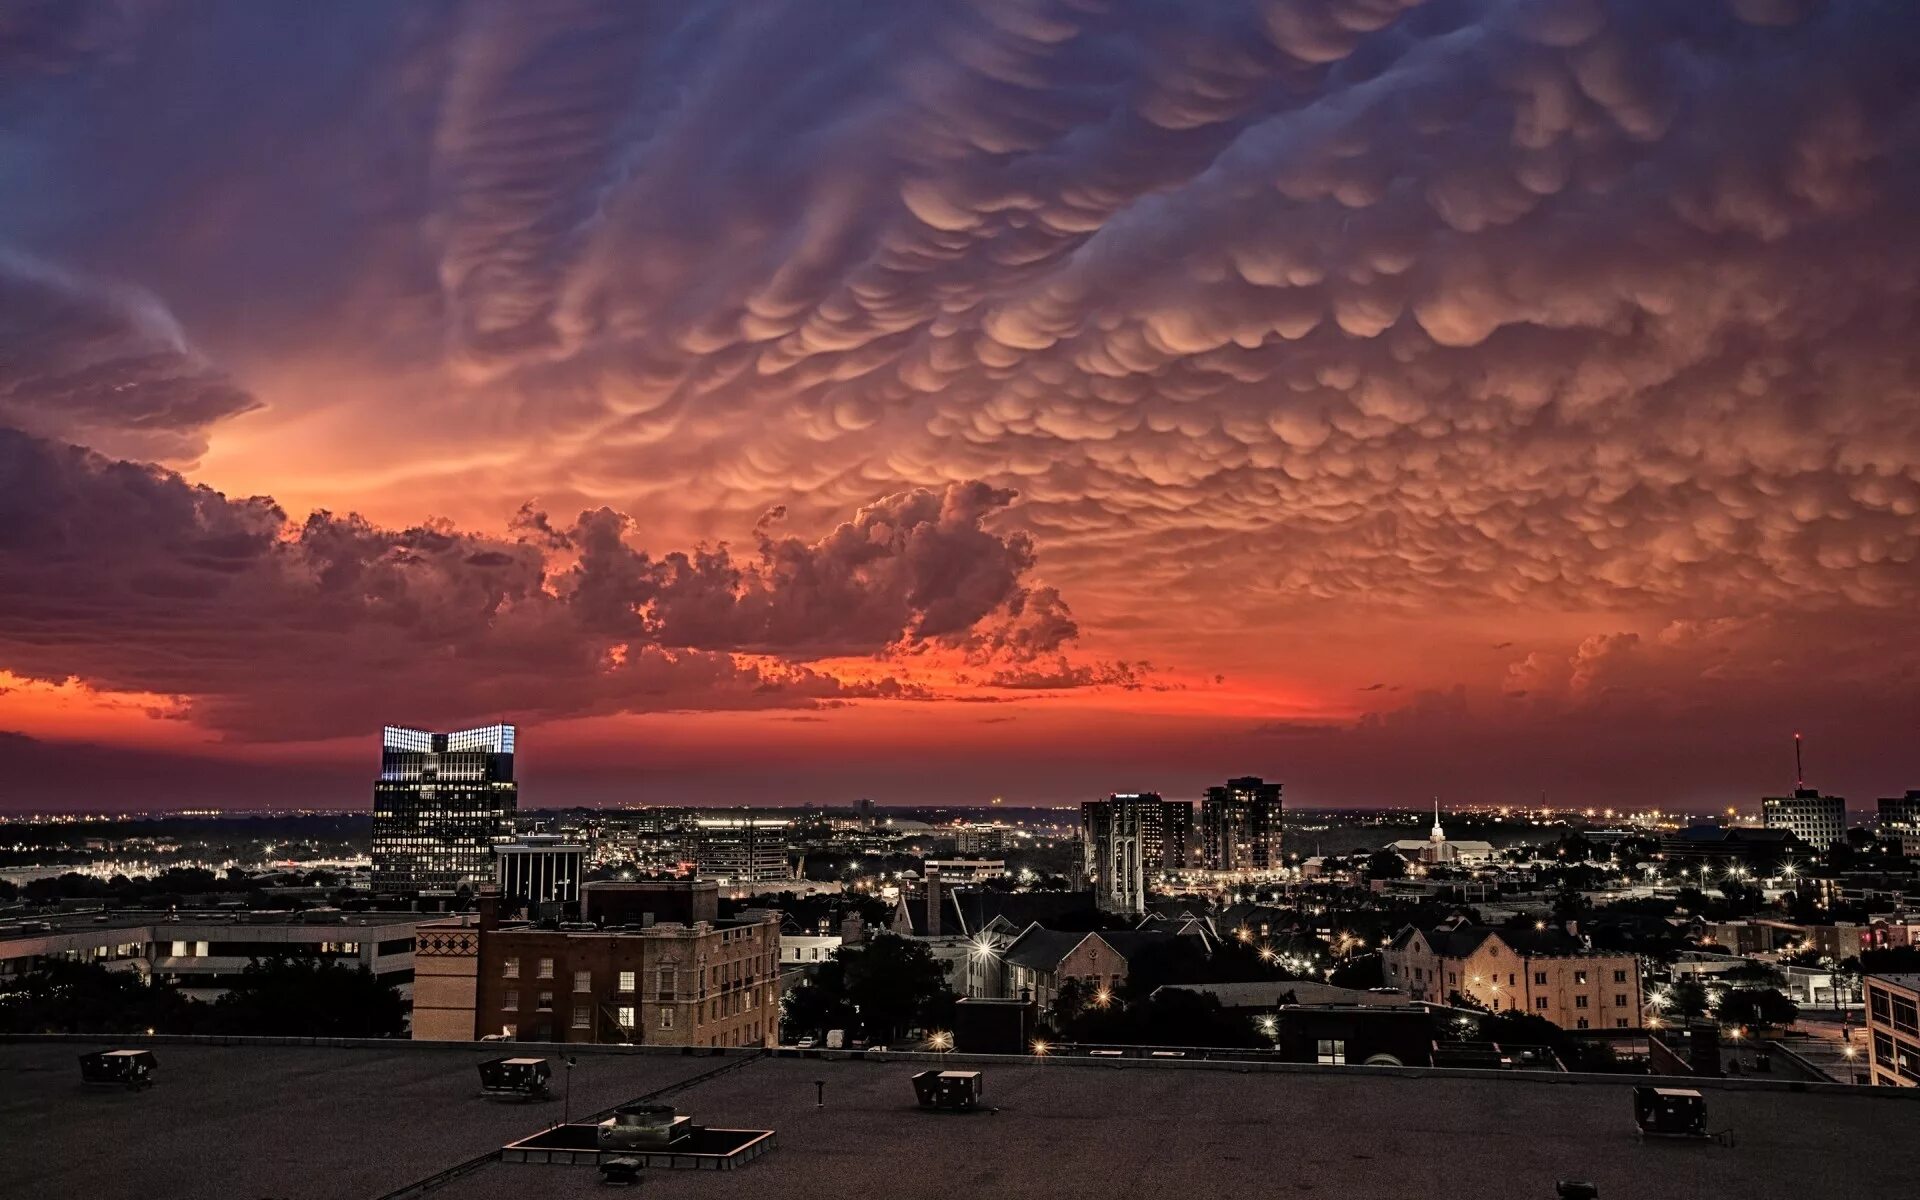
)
(980, 838)
(443, 801)
(1240, 826)
(1900, 821)
(1817, 820)
(539, 869)
(1128, 838)
(741, 849)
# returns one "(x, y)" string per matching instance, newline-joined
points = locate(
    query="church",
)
(1437, 851)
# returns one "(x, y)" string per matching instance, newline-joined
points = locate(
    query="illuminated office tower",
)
(443, 801)
(1240, 826)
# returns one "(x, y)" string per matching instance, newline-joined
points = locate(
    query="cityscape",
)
(960, 598)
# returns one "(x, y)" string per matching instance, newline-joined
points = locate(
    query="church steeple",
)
(1438, 835)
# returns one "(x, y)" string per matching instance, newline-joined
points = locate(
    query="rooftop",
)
(146, 918)
(300, 1122)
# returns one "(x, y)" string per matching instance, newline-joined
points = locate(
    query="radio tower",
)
(1799, 774)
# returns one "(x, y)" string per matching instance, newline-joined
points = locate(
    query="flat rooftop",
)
(299, 1122)
(87, 920)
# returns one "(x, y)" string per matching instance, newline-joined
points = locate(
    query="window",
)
(627, 984)
(582, 1016)
(1539, 1001)
(1619, 1022)
(1331, 1050)
(1583, 1023)
(546, 1001)
(510, 969)
(1452, 978)
(1580, 1001)
(1619, 976)
(666, 1018)
(1905, 1018)
(511, 1031)
(512, 999)
(1620, 1000)
(1579, 978)
(624, 1015)
(1510, 980)
(546, 968)
(667, 981)
(1878, 999)
(583, 981)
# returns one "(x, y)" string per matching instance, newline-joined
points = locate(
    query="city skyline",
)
(935, 403)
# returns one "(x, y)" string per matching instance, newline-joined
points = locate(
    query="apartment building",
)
(1543, 972)
(1893, 1030)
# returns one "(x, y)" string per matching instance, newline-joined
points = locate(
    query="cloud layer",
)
(1311, 344)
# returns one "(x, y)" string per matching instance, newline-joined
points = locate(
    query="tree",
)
(1688, 998)
(885, 986)
(1074, 997)
(306, 997)
(1175, 1017)
(72, 997)
(1362, 971)
(1386, 864)
(1757, 1006)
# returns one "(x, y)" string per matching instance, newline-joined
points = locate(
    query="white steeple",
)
(1438, 835)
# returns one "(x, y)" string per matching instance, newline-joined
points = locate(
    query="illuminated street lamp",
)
(1040, 1048)
(941, 1040)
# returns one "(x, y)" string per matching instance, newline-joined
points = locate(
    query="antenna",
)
(1799, 774)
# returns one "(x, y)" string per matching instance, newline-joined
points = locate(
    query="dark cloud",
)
(270, 628)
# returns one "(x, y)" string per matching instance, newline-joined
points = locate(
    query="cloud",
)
(270, 628)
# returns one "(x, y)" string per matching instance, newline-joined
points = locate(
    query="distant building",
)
(980, 840)
(1547, 974)
(741, 849)
(1900, 821)
(205, 953)
(1717, 845)
(1893, 1030)
(708, 984)
(967, 870)
(1040, 961)
(1817, 820)
(1129, 838)
(539, 870)
(1240, 826)
(443, 801)
(1438, 851)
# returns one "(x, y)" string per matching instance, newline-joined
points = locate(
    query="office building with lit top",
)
(442, 803)
(1240, 826)
(741, 849)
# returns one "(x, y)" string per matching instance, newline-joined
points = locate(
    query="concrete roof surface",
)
(340, 1123)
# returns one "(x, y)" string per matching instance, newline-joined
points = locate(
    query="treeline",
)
(281, 997)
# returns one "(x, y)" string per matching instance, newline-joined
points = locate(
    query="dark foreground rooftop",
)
(306, 1122)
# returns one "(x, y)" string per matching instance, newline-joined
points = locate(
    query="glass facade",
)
(443, 801)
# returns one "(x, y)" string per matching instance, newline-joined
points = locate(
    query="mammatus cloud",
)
(1550, 326)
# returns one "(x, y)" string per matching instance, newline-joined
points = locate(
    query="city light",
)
(940, 1040)
(1040, 1048)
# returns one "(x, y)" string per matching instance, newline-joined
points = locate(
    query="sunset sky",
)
(934, 400)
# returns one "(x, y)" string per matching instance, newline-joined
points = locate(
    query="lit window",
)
(624, 1014)
(512, 1000)
(627, 985)
(546, 1001)
(666, 1018)
(582, 1016)
(1579, 978)
(546, 968)
(510, 969)
(583, 981)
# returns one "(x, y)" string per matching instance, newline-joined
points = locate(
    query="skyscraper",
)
(1240, 825)
(1817, 820)
(1128, 838)
(441, 804)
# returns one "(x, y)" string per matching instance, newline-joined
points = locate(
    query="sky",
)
(780, 401)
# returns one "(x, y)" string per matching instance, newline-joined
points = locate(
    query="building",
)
(741, 849)
(1817, 820)
(1040, 961)
(645, 902)
(808, 949)
(708, 984)
(204, 953)
(967, 870)
(539, 870)
(1546, 973)
(980, 840)
(1240, 826)
(1718, 846)
(1893, 1030)
(1127, 840)
(1899, 821)
(443, 801)
(1438, 851)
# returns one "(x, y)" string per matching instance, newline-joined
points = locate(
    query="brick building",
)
(1546, 973)
(666, 983)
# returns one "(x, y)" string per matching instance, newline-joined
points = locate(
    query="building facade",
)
(533, 871)
(707, 984)
(1240, 826)
(204, 954)
(980, 840)
(442, 803)
(1817, 820)
(741, 849)
(1548, 975)
(1899, 821)
(1893, 1030)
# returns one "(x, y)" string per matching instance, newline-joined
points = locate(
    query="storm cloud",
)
(1311, 342)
